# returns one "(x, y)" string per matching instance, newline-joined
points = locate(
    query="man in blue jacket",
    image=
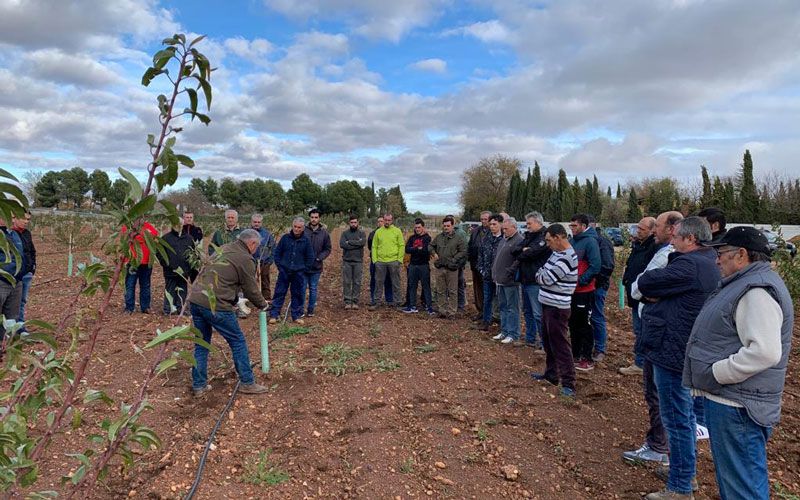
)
(294, 257)
(584, 242)
(676, 294)
(263, 256)
(13, 267)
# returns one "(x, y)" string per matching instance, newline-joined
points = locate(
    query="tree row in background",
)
(74, 188)
(497, 183)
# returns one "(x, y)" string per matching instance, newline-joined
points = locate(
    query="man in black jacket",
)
(321, 243)
(189, 228)
(532, 255)
(419, 270)
(716, 219)
(352, 242)
(642, 250)
(602, 282)
(20, 225)
(473, 249)
(177, 268)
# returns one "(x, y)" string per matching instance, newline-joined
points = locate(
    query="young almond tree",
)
(43, 383)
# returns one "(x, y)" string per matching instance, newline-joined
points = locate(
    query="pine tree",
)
(608, 192)
(748, 194)
(634, 212)
(619, 192)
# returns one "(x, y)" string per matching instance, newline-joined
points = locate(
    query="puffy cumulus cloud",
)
(492, 31)
(56, 66)
(376, 19)
(80, 24)
(256, 50)
(430, 65)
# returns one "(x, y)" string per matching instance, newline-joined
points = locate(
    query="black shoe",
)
(662, 472)
(539, 377)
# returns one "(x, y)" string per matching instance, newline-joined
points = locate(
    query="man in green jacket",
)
(236, 270)
(227, 233)
(451, 254)
(388, 250)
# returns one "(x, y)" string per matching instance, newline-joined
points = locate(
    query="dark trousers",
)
(141, 275)
(477, 290)
(656, 435)
(265, 284)
(389, 270)
(419, 273)
(387, 286)
(559, 363)
(580, 326)
(462, 289)
(175, 289)
(289, 280)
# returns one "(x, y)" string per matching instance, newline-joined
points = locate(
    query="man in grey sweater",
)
(504, 273)
(352, 243)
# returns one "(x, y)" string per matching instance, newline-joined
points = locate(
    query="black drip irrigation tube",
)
(202, 465)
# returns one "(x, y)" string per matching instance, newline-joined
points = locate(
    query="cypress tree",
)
(748, 194)
(534, 199)
(634, 212)
(619, 192)
(707, 196)
(608, 192)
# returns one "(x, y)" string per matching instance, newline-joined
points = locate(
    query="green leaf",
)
(77, 419)
(149, 74)
(207, 91)
(203, 118)
(162, 57)
(78, 475)
(151, 140)
(142, 207)
(113, 428)
(170, 334)
(170, 142)
(8, 175)
(170, 41)
(95, 395)
(14, 191)
(41, 337)
(166, 365)
(172, 212)
(135, 191)
(188, 357)
(185, 160)
(44, 325)
(196, 40)
(192, 99)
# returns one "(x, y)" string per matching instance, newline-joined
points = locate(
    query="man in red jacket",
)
(139, 270)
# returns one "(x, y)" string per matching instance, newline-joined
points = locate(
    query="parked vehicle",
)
(772, 239)
(615, 235)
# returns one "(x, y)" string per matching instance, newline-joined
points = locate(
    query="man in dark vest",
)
(736, 359)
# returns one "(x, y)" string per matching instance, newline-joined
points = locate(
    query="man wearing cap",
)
(736, 359)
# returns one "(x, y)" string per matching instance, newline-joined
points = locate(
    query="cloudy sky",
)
(412, 92)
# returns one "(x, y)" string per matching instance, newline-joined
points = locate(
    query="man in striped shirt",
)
(557, 279)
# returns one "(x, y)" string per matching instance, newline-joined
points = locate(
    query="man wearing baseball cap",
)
(736, 359)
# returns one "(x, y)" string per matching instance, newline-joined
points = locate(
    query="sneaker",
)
(701, 432)
(533, 345)
(567, 393)
(354, 307)
(309, 314)
(431, 312)
(252, 389)
(539, 377)
(584, 365)
(372, 307)
(299, 321)
(484, 327)
(410, 310)
(631, 370)
(499, 336)
(508, 340)
(668, 495)
(198, 393)
(145, 311)
(272, 321)
(598, 357)
(645, 454)
(662, 472)
(347, 307)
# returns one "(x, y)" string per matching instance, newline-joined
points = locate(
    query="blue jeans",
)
(489, 296)
(739, 448)
(142, 275)
(312, 285)
(225, 323)
(533, 313)
(638, 360)
(677, 415)
(508, 300)
(598, 319)
(26, 286)
(419, 273)
(288, 280)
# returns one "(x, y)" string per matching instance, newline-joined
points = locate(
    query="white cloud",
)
(255, 50)
(487, 31)
(430, 65)
(56, 66)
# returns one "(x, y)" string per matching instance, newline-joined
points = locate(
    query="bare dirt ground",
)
(380, 405)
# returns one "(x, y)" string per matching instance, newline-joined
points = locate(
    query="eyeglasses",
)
(721, 252)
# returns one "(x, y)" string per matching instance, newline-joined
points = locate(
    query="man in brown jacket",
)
(451, 254)
(236, 270)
